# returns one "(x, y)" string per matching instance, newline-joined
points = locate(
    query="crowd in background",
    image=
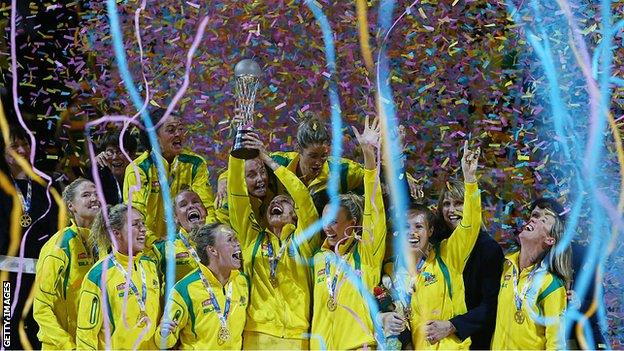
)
(249, 273)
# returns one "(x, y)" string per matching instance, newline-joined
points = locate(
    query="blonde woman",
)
(64, 261)
(122, 288)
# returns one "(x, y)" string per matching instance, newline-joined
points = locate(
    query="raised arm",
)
(51, 268)
(304, 205)
(241, 213)
(373, 221)
(456, 250)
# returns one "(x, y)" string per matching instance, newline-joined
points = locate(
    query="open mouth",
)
(529, 228)
(193, 216)
(414, 241)
(95, 206)
(276, 210)
(455, 217)
(177, 143)
(141, 239)
(237, 255)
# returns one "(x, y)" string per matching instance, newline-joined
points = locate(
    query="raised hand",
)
(369, 140)
(252, 141)
(102, 160)
(221, 196)
(469, 162)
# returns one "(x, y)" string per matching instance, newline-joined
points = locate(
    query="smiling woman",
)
(279, 310)
(183, 168)
(190, 214)
(62, 265)
(123, 285)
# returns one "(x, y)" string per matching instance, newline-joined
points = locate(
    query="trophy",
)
(247, 73)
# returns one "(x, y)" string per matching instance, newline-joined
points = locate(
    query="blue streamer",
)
(120, 58)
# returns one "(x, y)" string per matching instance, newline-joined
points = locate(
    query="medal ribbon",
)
(331, 285)
(228, 298)
(26, 202)
(519, 297)
(189, 247)
(213, 298)
(274, 260)
(141, 300)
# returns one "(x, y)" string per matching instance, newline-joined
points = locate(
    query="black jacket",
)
(482, 281)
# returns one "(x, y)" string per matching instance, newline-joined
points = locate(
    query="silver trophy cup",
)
(247, 77)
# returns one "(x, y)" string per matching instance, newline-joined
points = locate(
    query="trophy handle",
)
(238, 150)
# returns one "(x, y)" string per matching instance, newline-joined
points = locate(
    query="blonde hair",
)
(354, 205)
(559, 262)
(99, 237)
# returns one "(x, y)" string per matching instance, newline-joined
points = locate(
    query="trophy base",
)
(241, 152)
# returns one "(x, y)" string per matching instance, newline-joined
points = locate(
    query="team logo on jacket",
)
(182, 255)
(429, 278)
(83, 259)
(243, 301)
(507, 276)
(155, 186)
(208, 306)
(320, 275)
(121, 286)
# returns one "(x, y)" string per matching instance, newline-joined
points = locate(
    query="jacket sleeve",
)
(242, 217)
(51, 268)
(201, 185)
(457, 248)
(304, 207)
(484, 314)
(175, 310)
(374, 221)
(553, 305)
(139, 197)
(90, 318)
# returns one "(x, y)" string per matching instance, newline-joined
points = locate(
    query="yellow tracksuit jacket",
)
(438, 293)
(187, 170)
(184, 262)
(198, 323)
(340, 329)
(62, 265)
(351, 179)
(549, 301)
(91, 333)
(283, 311)
(351, 173)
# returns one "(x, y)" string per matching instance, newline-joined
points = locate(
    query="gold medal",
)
(519, 317)
(274, 282)
(331, 304)
(142, 319)
(407, 312)
(25, 220)
(223, 336)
